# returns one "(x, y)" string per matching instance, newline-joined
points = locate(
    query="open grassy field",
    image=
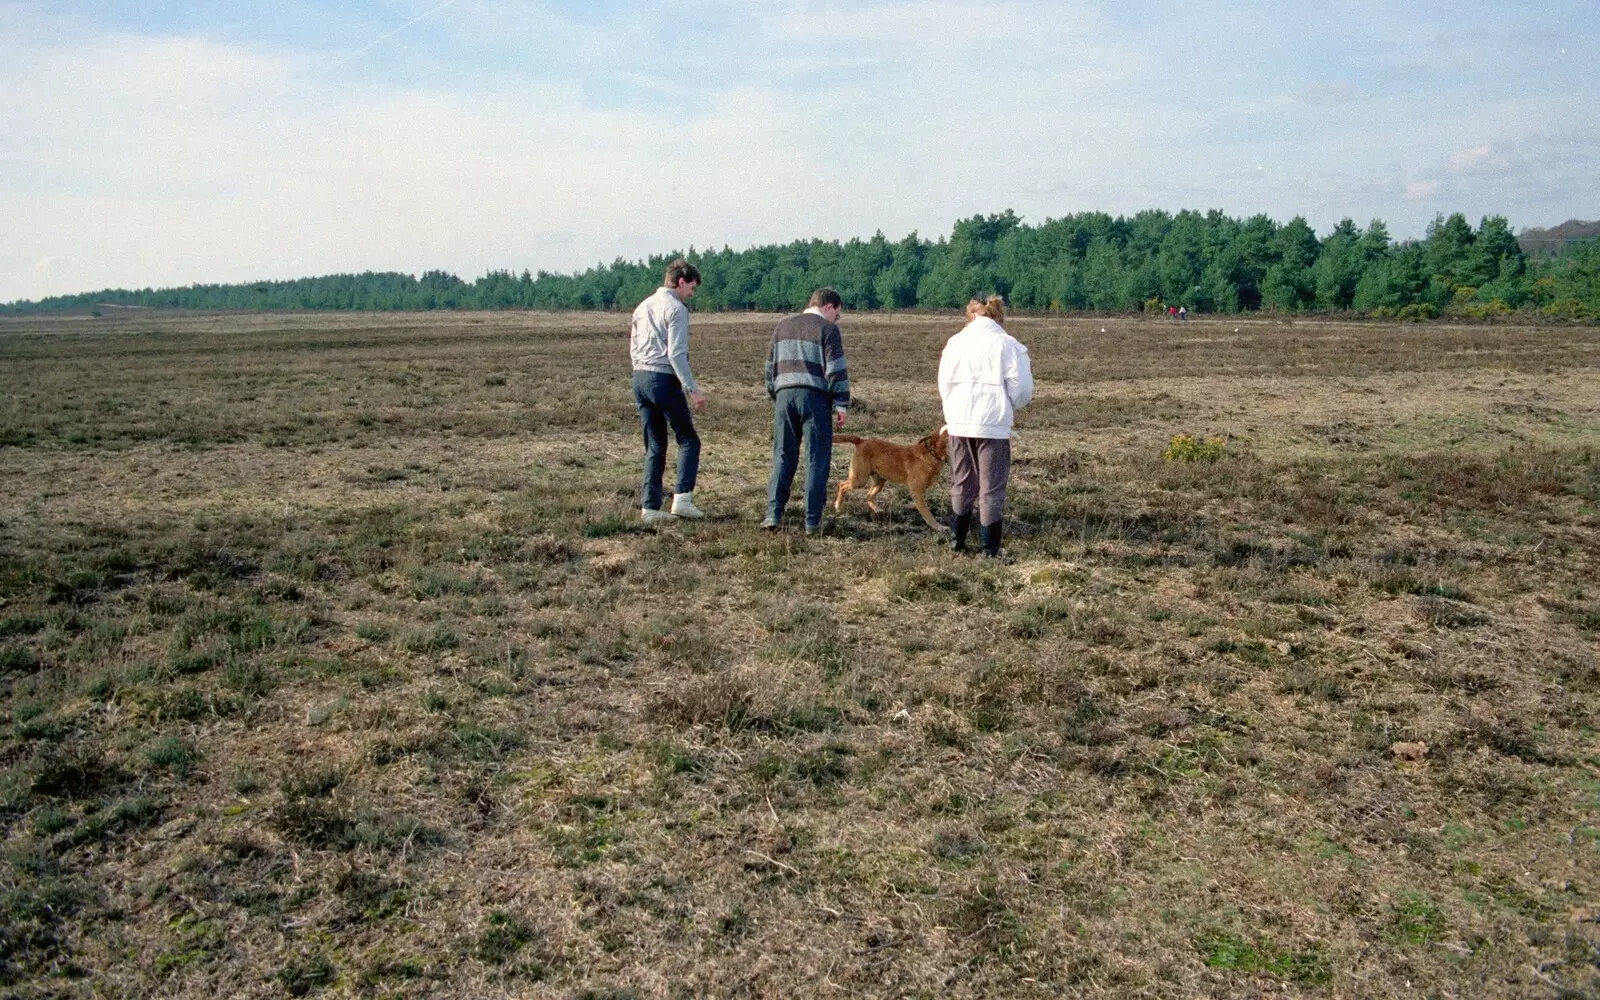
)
(334, 662)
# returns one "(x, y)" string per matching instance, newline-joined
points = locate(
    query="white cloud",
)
(1421, 190)
(1466, 159)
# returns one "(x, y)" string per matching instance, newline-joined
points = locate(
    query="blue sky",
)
(155, 144)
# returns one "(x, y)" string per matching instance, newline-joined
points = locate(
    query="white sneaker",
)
(683, 506)
(650, 516)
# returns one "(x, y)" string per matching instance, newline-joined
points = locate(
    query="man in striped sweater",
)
(810, 389)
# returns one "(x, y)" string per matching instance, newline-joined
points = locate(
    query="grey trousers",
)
(979, 469)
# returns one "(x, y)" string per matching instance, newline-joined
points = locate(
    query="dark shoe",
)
(958, 532)
(990, 533)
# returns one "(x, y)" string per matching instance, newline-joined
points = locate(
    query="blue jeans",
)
(661, 402)
(800, 414)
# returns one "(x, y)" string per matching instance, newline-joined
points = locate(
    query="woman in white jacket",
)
(984, 378)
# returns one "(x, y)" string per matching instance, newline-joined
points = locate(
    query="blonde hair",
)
(992, 306)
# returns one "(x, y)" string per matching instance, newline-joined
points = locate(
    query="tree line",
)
(1208, 262)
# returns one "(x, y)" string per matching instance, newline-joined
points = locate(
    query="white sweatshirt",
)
(658, 340)
(984, 378)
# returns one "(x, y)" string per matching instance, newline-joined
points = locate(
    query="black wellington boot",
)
(958, 532)
(990, 533)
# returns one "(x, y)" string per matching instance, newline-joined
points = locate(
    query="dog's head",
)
(937, 445)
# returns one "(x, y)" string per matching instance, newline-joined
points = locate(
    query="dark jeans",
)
(979, 470)
(661, 402)
(800, 414)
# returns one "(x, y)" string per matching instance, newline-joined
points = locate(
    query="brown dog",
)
(877, 461)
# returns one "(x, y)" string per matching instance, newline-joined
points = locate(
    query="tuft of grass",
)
(988, 919)
(500, 941)
(1187, 448)
(312, 783)
(307, 973)
(437, 639)
(75, 771)
(1442, 612)
(172, 754)
(18, 660)
(12, 625)
(722, 701)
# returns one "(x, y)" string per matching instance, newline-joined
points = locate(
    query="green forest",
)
(1207, 262)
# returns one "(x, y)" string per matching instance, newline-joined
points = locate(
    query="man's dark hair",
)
(682, 270)
(825, 297)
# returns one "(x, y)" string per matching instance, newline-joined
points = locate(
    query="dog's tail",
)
(847, 438)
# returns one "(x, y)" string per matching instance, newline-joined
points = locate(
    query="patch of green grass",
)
(125, 816)
(320, 823)
(813, 635)
(431, 582)
(588, 829)
(1228, 951)
(437, 639)
(246, 780)
(172, 754)
(505, 935)
(483, 744)
(1583, 615)
(74, 771)
(934, 585)
(51, 820)
(183, 662)
(1040, 618)
(825, 765)
(989, 921)
(1312, 681)
(18, 660)
(249, 678)
(1414, 918)
(722, 701)
(32, 935)
(1407, 582)
(682, 641)
(312, 783)
(307, 973)
(1443, 612)
(21, 625)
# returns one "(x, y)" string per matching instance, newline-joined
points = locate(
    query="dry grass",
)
(335, 663)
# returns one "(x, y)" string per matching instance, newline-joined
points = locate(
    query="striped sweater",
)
(808, 352)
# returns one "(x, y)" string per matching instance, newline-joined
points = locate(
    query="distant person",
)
(984, 378)
(1172, 312)
(665, 390)
(1183, 312)
(809, 384)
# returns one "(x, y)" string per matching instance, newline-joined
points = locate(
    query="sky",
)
(148, 144)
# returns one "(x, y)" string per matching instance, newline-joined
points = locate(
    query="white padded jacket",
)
(984, 378)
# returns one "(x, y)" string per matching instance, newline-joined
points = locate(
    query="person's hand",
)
(838, 419)
(697, 400)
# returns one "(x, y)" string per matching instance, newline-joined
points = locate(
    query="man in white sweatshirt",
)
(664, 389)
(984, 378)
